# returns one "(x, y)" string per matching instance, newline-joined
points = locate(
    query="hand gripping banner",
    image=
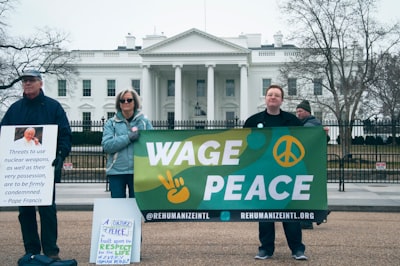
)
(270, 174)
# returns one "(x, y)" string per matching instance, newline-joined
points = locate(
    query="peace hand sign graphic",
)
(177, 191)
(287, 158)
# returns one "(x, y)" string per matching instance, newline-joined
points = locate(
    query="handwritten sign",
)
(26, 173)
(116, 208)
(115, 243)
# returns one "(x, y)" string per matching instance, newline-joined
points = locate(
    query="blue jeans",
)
(118, 184)
(292, 232)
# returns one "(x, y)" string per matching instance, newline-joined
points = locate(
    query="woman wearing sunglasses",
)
(119, 135)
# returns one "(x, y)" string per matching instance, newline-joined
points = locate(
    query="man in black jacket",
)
(303, 112)
(273, 116)
(37, 109)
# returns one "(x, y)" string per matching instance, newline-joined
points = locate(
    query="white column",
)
(210, 92)
(178, 92)
(157, 103)
(244, 95)
(146, 92)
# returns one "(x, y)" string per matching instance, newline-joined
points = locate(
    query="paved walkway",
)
(356, 197)
(375, 197)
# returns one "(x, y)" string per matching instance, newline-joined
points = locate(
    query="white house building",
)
(191, 76)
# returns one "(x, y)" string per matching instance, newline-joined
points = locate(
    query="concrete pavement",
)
(356, 197)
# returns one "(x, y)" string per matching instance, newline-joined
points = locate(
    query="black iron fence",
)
(374, 156)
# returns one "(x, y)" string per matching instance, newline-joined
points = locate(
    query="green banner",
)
(249, 174)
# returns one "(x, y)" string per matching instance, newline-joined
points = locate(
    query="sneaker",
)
(299, 255)
(262, 255)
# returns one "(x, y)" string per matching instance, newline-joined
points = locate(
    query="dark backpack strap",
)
(31, 259)
(43, 259)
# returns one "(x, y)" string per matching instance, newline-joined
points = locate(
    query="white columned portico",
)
(146, 92)
(244, 95)
(210, 92)
(178, 92)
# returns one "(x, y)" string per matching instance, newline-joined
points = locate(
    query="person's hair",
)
(30, 129)
(135, 97)
(274, 87)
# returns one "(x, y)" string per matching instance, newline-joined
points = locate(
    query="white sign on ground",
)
(26, 173)
(124, 209)
(115, 243)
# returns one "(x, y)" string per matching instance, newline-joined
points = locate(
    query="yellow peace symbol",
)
(287, 158)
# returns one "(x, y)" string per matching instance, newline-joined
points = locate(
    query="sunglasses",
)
(125, 100)
(25, 80)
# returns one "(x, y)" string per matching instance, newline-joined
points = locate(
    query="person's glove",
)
(58, 164)
(133, 135)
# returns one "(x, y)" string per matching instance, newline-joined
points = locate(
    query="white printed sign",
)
(115, 243)
(380, 165)
(26, 173)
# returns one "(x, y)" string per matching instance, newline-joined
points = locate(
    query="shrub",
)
(87, 138)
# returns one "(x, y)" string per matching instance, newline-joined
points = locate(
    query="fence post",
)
(103, 156)
(341, 177)
(376, 139)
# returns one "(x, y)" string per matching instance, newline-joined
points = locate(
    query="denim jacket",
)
(116, 143)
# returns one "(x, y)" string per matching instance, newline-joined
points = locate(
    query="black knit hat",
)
(305, 105)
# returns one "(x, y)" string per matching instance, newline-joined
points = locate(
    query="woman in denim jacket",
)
(119, 135)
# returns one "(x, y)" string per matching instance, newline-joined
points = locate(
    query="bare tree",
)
(386, 89)
(43, 50)
(341, 40)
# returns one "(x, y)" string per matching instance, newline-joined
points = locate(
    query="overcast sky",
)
(103, 24)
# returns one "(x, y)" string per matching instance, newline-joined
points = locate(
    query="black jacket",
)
(263, 119)
(41, 110)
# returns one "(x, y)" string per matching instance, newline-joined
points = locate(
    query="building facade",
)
(191, 76)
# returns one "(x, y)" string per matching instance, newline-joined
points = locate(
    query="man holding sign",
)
(37, 109)
(273, 116)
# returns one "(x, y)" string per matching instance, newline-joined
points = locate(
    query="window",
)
(292, 86)
(201, 88)
(110, 115)
(136, 85)
(230, 118)
(265, 84)
(317, 86)
(111, 87)
(318, 115)
(171, 88)
(171, 120)
(62, 87)
(87, 87)
(86, 121)
(230, 87)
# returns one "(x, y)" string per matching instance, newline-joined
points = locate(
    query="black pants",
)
(48, 229)
(292, 232)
